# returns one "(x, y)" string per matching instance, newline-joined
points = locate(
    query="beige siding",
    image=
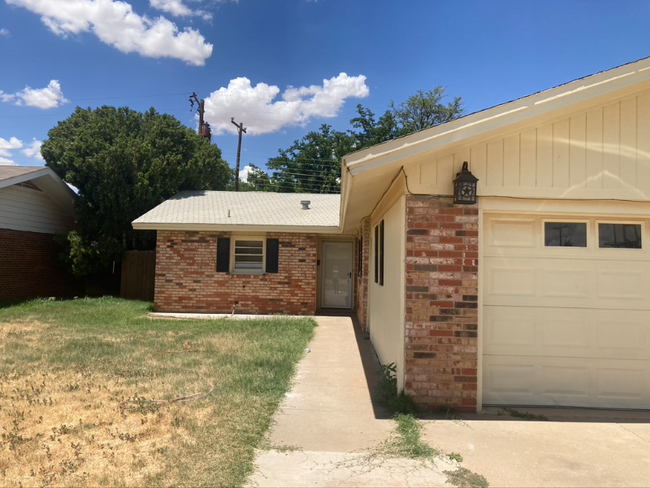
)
(31, 210)
(599, 153)
(386, 303)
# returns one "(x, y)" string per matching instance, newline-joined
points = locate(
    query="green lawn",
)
(92, 392)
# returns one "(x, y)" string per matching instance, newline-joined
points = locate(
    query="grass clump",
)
(407, 442)
(387, 394)
(93, 393)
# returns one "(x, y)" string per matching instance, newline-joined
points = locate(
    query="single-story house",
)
(35, 204)
(538, 294)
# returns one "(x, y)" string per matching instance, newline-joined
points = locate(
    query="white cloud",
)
(32, 151)
(49, 97)
(257, 107)
(243, 174)
(115, 24)
(179, 9)
(5, 32)
(6, 146)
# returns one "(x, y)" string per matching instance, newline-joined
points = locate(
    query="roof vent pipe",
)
(305, 204)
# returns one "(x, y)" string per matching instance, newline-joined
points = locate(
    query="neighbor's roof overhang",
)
(368, 173)
(45, 179)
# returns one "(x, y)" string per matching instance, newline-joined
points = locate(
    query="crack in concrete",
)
(632, 432)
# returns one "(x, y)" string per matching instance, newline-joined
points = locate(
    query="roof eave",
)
(500, 116)
(197, 227)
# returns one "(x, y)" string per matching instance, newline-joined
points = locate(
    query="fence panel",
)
(138, 275)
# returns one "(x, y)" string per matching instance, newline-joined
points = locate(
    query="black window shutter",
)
(223, 254)
(381, 253)
(377, 254)
(272, 255)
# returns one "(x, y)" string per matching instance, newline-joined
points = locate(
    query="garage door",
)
(566, 311)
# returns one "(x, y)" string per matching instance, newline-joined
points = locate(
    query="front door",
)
(336, 289)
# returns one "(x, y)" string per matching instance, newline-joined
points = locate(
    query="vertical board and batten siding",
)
(386, 303)
(600, 153)
(27, 209)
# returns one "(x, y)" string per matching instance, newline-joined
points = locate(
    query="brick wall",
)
(187, 281)
(441, 320)
(30, 267)
(361, 297)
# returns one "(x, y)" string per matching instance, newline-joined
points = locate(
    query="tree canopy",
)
(313, 163)
(123, 164)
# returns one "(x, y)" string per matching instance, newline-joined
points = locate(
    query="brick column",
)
(441, 320)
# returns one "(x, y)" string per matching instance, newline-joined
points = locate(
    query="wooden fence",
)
(138, 275)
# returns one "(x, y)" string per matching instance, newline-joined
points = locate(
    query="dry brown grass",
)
(72, 429)
(83, 405)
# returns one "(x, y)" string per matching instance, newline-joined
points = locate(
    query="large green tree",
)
(313, 163)
(123, 164)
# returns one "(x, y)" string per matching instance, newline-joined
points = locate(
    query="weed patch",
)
(387, 394)
(464, 478)
(524, 415)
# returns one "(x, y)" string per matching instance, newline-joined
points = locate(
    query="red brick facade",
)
(30, 267)
(441, 323)
(187, 280)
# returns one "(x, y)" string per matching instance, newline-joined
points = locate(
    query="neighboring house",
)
(539, 294)
(35, 204)
(255, 253)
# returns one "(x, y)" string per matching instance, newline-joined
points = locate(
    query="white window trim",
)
(242, 237)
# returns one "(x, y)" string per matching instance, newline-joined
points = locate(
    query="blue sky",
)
(284, 67)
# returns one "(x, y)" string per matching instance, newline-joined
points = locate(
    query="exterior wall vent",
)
(305, 204)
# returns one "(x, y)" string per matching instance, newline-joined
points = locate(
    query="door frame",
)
(321, 267)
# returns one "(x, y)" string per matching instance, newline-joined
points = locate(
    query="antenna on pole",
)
(242, 130)
(204, 127)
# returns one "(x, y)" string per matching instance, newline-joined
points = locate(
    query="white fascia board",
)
(25, 177)
(289, 229)
(499, 117)
(346, 189)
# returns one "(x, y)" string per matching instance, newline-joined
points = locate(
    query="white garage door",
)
(566, 304)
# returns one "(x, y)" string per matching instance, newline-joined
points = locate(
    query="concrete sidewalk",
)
(328, 425)
(574, 447)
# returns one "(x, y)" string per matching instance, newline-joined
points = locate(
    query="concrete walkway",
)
(328, 426)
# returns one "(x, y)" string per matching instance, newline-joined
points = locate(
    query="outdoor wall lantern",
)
(465, 187)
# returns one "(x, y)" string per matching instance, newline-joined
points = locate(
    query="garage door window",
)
(626, 236)
(565, 234)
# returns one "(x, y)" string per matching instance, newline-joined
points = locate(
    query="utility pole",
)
(242, 130)
(204, 127)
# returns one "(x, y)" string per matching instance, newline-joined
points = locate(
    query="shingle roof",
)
(204, 210)
(8, 172)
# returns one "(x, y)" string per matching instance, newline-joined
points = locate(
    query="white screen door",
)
(337, 275)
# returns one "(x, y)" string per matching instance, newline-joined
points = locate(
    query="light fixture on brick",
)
(465, 187)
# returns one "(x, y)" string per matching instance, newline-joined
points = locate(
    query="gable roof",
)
(44, 179)
(244, 212)
(367, 174)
